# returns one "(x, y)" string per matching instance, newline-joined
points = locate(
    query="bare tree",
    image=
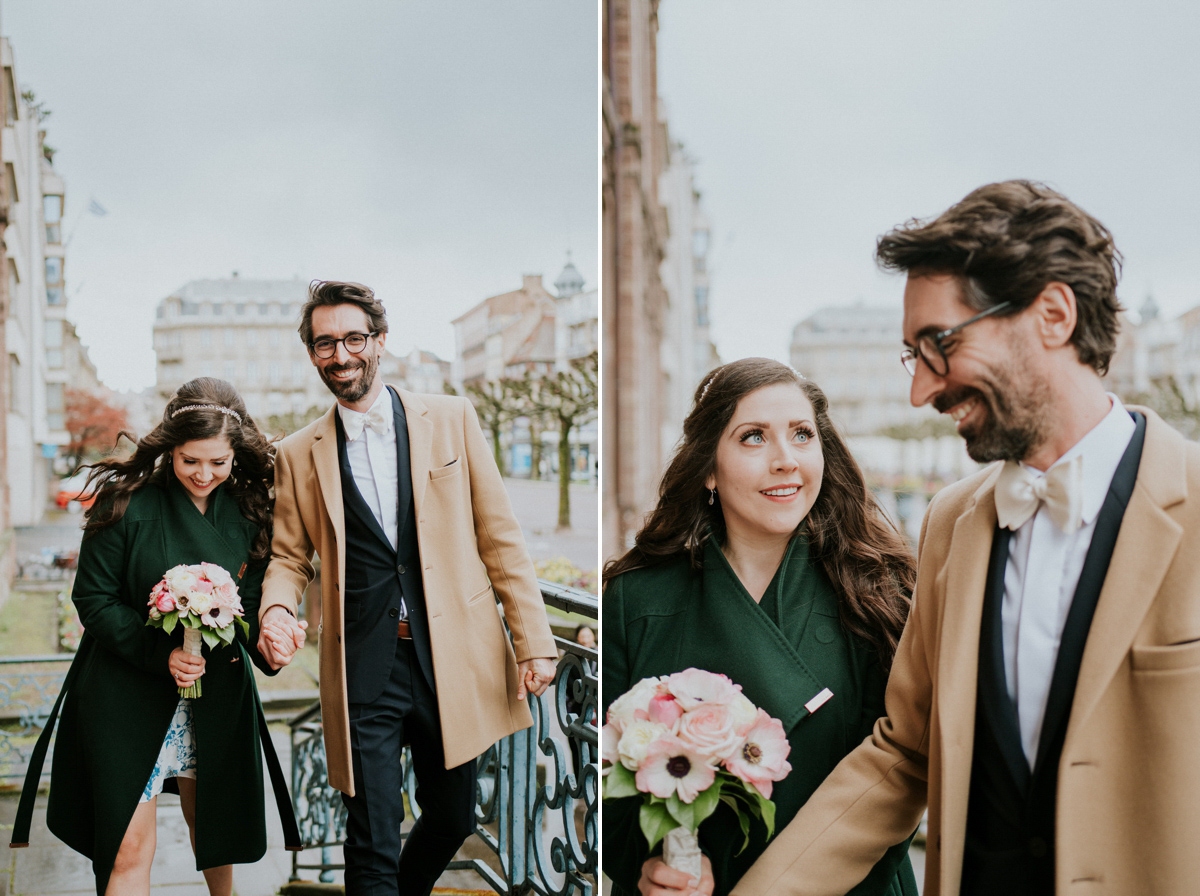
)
(568, 397)
(497, 402)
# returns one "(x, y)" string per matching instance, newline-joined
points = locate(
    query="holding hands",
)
(280, 636)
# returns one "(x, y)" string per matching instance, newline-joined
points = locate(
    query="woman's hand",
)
(660, 879)
(184, 667)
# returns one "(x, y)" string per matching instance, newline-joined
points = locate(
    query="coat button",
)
(1037, 847)
(400, 569)
(394, 612)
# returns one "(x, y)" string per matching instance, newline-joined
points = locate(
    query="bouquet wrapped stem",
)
(192, 642)
(686, 743)
(202, 599)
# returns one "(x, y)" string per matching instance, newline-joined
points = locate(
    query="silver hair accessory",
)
(704, 391)
(207, 407)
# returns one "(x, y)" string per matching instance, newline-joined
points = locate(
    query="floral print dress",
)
(177, 757)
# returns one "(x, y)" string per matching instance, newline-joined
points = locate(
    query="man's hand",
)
(660, 879)
(534, 676)
(280, 636)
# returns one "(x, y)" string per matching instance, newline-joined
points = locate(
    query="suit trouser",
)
(376, 865)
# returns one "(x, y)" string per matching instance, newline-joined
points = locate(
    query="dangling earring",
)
(712, 494)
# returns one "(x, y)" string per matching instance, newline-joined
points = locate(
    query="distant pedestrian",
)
(196, 489)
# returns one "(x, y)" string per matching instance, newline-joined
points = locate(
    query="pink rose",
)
(204, 586)
(665, 710)
(709, 729)
(692, 687)
(762, 759)
(609, 739)
(672, 767)
(164, 602)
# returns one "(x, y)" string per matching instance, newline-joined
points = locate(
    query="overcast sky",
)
(434, 150)
(818, 126)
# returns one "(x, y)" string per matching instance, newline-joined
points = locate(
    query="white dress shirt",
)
(372, 459)
(1044, 565)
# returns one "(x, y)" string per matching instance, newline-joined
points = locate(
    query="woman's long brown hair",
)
(251, 477)
(867, 560)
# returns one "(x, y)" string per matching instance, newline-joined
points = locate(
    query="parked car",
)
(71, 489)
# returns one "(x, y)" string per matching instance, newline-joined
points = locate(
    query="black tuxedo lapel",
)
(1083, 605)
(997, 705)
(404, 491)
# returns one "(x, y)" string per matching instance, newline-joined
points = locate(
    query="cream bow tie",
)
(1019, 491)
(376, 418)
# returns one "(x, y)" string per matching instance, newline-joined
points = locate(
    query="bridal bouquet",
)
(204, 600)
(687, 742)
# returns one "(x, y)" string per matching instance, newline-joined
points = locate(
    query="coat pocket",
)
(451, 469)
(1166, 658)
(480, 595)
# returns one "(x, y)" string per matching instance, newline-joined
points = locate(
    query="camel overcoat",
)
(472, 553)
(1128, 806)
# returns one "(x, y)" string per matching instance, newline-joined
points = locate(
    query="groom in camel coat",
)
(1045, 699)
(400, 496)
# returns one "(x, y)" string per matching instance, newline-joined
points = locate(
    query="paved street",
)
(536, 505)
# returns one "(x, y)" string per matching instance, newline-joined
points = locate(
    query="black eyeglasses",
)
(327, 347)
(930, 348)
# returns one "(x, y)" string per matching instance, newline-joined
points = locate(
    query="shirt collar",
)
(1101, 449)
(385, 396)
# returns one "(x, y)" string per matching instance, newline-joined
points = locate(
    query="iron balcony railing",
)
(536, 792)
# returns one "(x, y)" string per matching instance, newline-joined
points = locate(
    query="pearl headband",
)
(207, 407)
(704, 391)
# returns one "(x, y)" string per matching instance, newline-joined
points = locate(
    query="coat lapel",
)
(420, 443)
(961, 580)
(1145, 547)
(329, 478)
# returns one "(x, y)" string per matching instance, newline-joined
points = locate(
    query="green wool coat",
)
(783, 651)
(119, 696)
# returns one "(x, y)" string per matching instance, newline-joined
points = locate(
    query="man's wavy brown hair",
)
(1005, 242)
(251, 477)
(869, 563)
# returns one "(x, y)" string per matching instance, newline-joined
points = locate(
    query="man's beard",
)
(1015, 421)
(355, 389)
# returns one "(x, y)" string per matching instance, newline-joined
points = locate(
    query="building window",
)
(251, 371)
(54, 269)
(55, 416)
(52, 208)
(275, 340)
(275, 375)
(55, 295)
(230, 338)
(298, 372)
(251, 338)
(230, 371)
(54, 344)
(206, 338)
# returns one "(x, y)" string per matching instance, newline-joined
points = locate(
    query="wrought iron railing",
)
(536, 791)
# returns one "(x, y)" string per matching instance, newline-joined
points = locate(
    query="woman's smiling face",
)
(769, 464)
(201, 465)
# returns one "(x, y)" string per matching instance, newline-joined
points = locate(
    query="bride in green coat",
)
(766, 560)
(195, 489)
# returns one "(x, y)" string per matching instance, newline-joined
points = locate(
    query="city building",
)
(44, 352)
(246, 331)
(687, 349)
(853, 353)
(506, 335)
(531, 331)
(634, 234)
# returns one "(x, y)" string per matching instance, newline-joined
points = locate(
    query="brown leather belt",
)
(403, 630)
